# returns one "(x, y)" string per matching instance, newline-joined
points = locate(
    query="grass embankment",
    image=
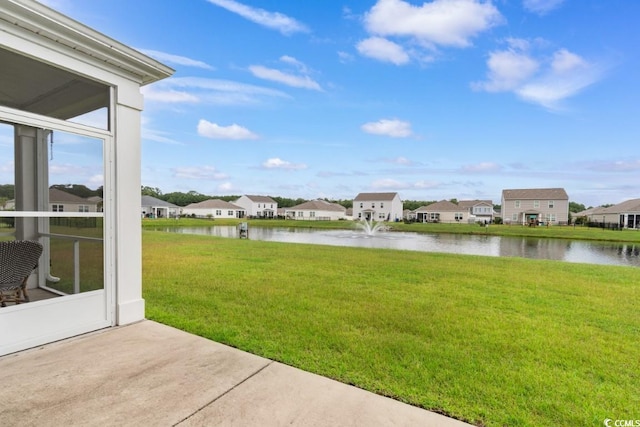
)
(492, 341)
(554, 232)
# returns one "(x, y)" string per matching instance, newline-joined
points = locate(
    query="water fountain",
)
(370, 227)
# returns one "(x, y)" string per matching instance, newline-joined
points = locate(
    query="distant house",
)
(625, 214)
(479, 210)
(377, 207)
(316, 210)
(535, 206)
(214, 208)
(61, 201)
(442, 211)
(258, 206)
(156, 208)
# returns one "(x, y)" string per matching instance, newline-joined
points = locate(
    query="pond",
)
(525, 247)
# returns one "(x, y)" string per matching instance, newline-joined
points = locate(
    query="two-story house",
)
(480, 210)
(377, 207)
(258, 206)
(535, 206)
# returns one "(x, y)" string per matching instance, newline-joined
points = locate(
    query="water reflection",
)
(525, 247)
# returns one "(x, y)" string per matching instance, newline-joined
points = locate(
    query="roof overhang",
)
(46, 88)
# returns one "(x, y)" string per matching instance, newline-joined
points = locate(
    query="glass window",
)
(536, 203)
(230, 213)
(66, 171)
(517, 203)
(551, 204)
(218, 212)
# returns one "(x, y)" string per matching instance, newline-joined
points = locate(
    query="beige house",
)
(316, 210)
(61, 201)
(535, 206)
(214, 208)
(443, 211)
(623, 215)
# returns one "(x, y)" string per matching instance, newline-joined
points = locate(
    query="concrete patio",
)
(149, 374)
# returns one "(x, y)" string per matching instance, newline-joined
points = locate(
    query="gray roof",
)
(535, 194)
(155, 202)
(260, 199)
(318, 205)
(213, 204)
(374, 197)
(441, 206)
(59, 196)
(632, 205)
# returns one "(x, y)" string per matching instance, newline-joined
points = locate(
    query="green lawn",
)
(492, 341)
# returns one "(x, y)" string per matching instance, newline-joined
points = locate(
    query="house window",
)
(381, 215)
(361, 205)
(83, 208)
(360, 214)
(312, 214)
(551, 204)
(258, 205)
(514, 217)
(218, 212)
(381, 204)
(58, 208)
(373, 205)
(517, 203)
(300, 214)
(230, 213)
(536, 203)
(458, 216)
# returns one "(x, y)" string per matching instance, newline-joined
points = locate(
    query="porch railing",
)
(76, 258)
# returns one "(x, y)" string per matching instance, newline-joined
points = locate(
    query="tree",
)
(151, 191)
(576, 207)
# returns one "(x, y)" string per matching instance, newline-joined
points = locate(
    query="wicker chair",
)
(18, 259)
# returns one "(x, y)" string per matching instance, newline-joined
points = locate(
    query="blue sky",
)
(435, 100)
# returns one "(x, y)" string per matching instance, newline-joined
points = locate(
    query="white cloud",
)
(214, 91)
(542, 79)
(401, 161)
(298, 77)
(482, 167)
(345, 57)
(301, 81)
(156, 93)
(199, 173)
(273, 20)
(389, 184)
(439, 22)
(426, 184)
(393, 128)
(383, 50)
(508, 69)
(277, 163)
(541, 7)
(175, 59)
(226, 187)
(215, 131)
